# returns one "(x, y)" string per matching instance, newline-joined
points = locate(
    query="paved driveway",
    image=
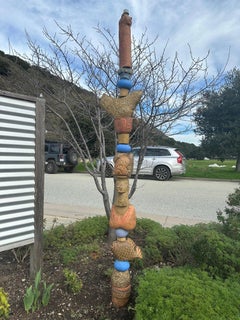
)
(74, 196)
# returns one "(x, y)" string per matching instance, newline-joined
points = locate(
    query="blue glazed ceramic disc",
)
(124, 148)
(124, 83)
(121, 233)
(121, 265)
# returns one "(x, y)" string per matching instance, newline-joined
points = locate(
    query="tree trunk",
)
(111, 235)
(238, 163)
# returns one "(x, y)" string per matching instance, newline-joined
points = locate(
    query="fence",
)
(21, 173)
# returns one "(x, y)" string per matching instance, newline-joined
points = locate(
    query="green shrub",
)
(4, 305)
(157, 241)
(71, 254)
(230, 218)
(169, 245)
(182, 251)
(89, 229)
(184, 294)
(84, 231)
(217, 254)
(72, 280)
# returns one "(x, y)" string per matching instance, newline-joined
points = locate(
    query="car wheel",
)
(68, 169)
(162, 173)
(51, 167)
(109, 171)
(72, 157)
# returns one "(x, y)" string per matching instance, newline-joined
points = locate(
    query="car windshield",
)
(54, 148)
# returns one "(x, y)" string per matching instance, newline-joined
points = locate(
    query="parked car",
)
(160, 162)
(59, 155)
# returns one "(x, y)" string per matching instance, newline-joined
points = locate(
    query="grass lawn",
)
(201, 169)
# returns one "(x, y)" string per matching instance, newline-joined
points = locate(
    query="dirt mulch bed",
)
(92, 303)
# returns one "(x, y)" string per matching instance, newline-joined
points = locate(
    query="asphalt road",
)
(74, 196)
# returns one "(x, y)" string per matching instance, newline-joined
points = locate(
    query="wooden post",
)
(37, 247)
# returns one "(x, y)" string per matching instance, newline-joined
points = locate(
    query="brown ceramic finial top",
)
(125, 60)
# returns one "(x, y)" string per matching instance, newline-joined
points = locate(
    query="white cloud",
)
(189, 138)
(205, 25)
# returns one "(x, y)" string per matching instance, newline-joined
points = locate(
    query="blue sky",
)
(203, 24)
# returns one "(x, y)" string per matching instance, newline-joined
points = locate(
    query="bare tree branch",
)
(171, 89)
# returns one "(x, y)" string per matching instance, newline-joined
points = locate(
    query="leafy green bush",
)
(90, 229)
(170, 245)
(71, 254)
(157, 242)
(182, 293)
(75, 240)
(4, 305)
(230, 218)
(182, 252)
(72, 280)
(84, 231)
(55, 237)
(217, 254)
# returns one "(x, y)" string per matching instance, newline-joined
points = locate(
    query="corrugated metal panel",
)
(17, 172)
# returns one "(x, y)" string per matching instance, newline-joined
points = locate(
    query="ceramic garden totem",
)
(123, 215)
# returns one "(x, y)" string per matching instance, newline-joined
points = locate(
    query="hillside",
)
(17, 75)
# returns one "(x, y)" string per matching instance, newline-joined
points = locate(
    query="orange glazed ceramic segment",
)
(121, 210)
(125, 221)
(123, 125)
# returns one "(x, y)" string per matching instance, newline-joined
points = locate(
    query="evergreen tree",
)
(218, 119)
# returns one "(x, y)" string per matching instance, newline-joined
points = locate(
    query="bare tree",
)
(171, 90)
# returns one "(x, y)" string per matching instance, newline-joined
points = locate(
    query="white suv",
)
(160, 162)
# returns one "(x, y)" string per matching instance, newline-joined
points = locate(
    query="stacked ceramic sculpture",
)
(123, 216)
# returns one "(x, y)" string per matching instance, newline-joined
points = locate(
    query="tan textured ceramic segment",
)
(120, 302)
(123, 92)
(123, 138)
(122, 185)
(126, 250)
(121, 107)
(122, 200)
(121, 279)
(123, 164)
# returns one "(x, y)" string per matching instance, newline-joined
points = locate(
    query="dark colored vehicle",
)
(59, 155)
